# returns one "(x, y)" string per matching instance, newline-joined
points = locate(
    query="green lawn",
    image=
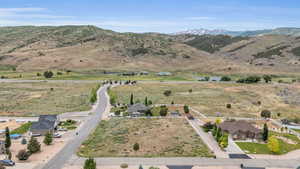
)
(257, 148)
(22, 129)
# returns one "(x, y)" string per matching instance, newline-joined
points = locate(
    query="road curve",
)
(59, 160)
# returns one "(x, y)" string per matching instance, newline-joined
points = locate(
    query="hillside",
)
(91, 48)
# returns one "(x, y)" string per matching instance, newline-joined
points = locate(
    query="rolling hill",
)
(91, 48)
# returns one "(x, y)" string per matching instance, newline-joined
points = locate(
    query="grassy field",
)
(19, 99)
(156, 137)
(257, 148)
(22, 129)
(210, 98)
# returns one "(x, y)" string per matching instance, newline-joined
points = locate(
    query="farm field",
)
(30, 99)
(156, 138)
(247, 100)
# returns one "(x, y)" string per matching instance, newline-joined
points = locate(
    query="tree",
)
(267, 78)
(93, 96)
(228, 106)
(163, 110)
(136, 147)
(225, 79)
(33, 146)
(150, 102)
(24, 141)
(48, 74)
(273, 144)
(90, 164)
(141, 167)
(265, 134)
(186, 109)
(190, 90)
(7, 138)
(146, 101)
(265, 114)
(48, 138)
(167, 93)
(131, 99)
(23, 155)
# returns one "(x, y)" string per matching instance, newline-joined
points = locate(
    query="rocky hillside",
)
(89, 48)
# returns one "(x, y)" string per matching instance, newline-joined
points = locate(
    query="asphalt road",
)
(58, 161)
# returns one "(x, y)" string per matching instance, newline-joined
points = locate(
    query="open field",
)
(29, 99)
(290, 143)
(210, 98)
(156, 137)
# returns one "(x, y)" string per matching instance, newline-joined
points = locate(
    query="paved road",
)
(58, 161)
(192, 161)
(208, 139)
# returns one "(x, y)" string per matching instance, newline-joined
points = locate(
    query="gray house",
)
(138, 109)
(46, 123)
(164, 74)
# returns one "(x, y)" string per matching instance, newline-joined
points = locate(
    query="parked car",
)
(57, 135)
(36, 135)
(7, 162)
(62, 129)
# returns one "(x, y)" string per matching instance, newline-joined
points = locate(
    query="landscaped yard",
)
(156, 138)
(292, 143)
(19, 99)
(247, 100)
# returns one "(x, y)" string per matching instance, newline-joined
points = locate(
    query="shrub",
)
(273, 144)
(23, 155)
(267, 78)
(90, 164)
(163, 111)
(265, 114)
(228, 106)
(208, 126)
(24, 141)
(124, 165)
(225, 79)
(250, 79)
(38, 74)
(33, 146)
(186, 109)
(190, 90)
(167, 93)
(59, 73)
(136, 147)
(48, 138)
(48, 74)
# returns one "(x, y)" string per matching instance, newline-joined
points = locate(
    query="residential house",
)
(46, 123)
(144, 73)
(175, 113)
(137, 110)
(241, 130)
(215, 79)
(164, 74)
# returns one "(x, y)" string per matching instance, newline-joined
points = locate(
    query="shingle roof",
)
(46, 122)
(139, 107)
(235, 126)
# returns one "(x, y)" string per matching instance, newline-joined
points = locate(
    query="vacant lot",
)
(156, 138)
(211, 98)
(30, 99)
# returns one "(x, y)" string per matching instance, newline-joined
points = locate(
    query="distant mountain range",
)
(277, 31)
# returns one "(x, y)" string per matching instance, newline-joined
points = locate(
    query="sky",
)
(165, 16)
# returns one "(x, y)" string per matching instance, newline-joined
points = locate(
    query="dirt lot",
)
(156, 138)
(10, 124)
(29, 99)
(211, 98)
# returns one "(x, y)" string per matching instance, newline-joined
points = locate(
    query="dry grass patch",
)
(156, 138)
(210, 98)
(30, 99)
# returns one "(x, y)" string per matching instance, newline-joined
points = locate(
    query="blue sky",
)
(153, 15)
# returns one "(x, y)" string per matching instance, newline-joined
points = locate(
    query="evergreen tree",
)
(265, 132)
(89, 164)
(146, 101)
(7, 138)
(186, 109)
(48, 138)
(33, 146)
(131, 99)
